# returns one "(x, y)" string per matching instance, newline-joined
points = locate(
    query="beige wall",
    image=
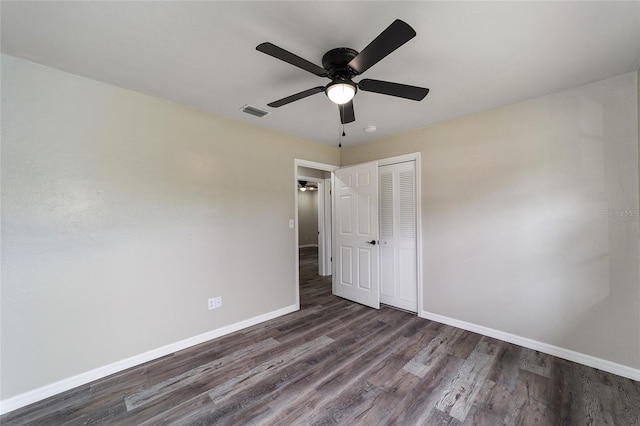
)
(315, 173)
(122, 214)
(530, 218)
(307, 218)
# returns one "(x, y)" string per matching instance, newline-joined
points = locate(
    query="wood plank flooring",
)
(337, 362)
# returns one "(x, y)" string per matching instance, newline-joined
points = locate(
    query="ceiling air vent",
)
(254, 111)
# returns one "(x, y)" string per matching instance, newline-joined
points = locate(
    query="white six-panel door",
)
(398, 272)
(356, 258)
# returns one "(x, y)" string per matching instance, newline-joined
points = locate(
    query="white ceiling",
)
(472, 55)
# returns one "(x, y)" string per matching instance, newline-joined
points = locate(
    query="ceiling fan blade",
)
(393, 89)
(347, 114)
(396, 34)
(279, 53)
(296, 97)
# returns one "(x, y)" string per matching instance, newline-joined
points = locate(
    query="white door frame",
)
(312, 165)
(326, 268)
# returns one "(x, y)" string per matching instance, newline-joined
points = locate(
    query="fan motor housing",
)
(335, 62)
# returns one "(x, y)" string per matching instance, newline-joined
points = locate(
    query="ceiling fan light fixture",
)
(341, 91)
(342, 64)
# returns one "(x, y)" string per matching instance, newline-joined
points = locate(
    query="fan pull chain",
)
(341, 136)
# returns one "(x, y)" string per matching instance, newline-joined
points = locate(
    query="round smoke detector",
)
(370, 129)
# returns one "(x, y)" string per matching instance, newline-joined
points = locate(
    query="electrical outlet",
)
(214, 302)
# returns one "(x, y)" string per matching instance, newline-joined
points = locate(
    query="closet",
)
(397, 224)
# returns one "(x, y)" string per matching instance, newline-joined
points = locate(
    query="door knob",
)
(372, 242)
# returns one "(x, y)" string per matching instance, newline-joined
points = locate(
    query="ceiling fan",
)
(303, 185)
(342, 64)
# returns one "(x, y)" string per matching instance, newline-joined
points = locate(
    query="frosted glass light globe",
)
(341, 93)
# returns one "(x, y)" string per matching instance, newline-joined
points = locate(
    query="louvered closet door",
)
(398, 274)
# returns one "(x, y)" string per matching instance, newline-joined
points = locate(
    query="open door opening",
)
(313, 220)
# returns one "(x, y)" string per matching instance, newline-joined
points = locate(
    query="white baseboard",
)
(588, 360)
(44, 392)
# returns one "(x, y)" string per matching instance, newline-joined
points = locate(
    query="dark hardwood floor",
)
(337, 362)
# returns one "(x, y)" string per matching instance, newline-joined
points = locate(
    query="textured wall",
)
(530, 218)
(122, 214)
(307, 218)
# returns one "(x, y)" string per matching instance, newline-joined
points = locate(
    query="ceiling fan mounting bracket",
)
(335, 62)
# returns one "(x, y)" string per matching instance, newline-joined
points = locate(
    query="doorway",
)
(313, 214)
(311, 226)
